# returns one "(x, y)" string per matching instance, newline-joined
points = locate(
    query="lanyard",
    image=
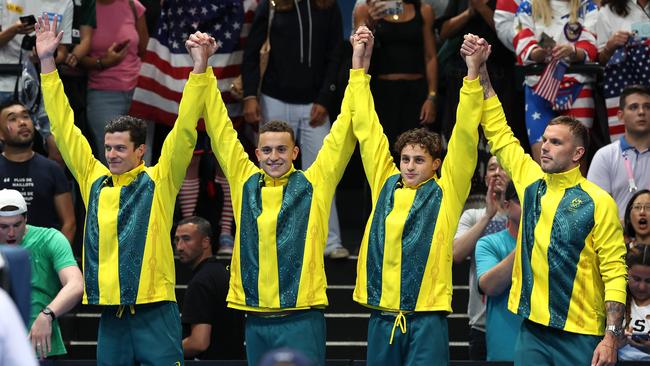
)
(630, 173)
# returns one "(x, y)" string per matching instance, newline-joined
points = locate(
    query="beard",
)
(20, 144)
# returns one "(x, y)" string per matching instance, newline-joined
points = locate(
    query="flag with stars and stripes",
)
(549, 83)
(628, 65)
(167, 65)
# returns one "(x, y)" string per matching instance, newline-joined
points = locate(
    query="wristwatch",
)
(47, 311)
(616, 331)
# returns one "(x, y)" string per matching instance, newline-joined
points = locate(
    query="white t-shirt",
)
(12, 10)
(609, 22)
(639, 323)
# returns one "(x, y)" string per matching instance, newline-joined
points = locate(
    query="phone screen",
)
(394, 7)
(28, 19)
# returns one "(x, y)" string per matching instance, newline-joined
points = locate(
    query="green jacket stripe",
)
(377, 238)
(291, 236)
(416, 241)
(532, 209)
(251, 209)
(573, 221)
(132, 225)
(91, 243)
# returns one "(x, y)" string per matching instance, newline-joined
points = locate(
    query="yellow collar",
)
(564, 179)
(128, 177)
(269, 181)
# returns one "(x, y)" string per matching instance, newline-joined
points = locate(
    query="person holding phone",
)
(118, 44)
(636, 344)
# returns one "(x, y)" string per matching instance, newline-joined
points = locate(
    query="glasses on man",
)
(641, 207)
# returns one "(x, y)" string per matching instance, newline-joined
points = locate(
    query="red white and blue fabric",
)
(504, 19)
(549, 83)
(628, 65)
(167, 64)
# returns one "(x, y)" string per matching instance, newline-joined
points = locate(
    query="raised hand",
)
(47, 40)
(475, 51)
(362, 43)
(200, 46)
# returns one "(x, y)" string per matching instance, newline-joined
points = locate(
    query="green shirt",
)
(49, 253)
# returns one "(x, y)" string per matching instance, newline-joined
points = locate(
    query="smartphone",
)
(640, 337)
(28, 19)
(120, 46)
(393, 7)
(546, 41)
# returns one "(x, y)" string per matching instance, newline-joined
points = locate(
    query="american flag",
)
(549, 83)
(628, 65)
(167, 65)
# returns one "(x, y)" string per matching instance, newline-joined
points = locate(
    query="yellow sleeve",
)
(226, 146)
(179, 144)
(337, 148)
(74, 147)
(375, 149)
(610, 248)
(521, 168)
(460, 162)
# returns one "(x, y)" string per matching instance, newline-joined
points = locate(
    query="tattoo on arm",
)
(485, 82)
(615, 313)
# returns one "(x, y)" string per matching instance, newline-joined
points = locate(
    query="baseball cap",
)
(11, 197)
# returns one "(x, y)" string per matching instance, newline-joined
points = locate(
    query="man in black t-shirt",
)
(41, 181)
(210, 329)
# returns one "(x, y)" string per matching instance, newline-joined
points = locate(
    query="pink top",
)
(115, 24)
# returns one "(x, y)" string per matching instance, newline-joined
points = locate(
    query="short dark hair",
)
(202, 225)
(511, 193)
(578, 130)
(9, 103)
(627, 222)
(629, 90)
(426, 139)
(278, 126)
(136, 127)
(638, 255)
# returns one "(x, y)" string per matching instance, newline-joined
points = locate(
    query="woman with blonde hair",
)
(556, 32)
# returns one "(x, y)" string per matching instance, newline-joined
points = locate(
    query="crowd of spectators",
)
(417, 74)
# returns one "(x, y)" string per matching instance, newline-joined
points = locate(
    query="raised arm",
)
(74, 147)
(519, 165)
(460, 162)
(179, 144)
(375, 149)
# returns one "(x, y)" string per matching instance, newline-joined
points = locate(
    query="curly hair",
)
(426, 139)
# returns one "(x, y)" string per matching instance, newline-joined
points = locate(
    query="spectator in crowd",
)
(475, 17)
(299, 83)
(504, 21)
(14, 344)
(473, 225)
(118, 44)
(84, 22)
(16, 44)
(569, 273)
(623, 167)
(614, 31)
(404, 64)
(637, 214)
(635, 346)
(56, 282)
(41, 181)
(128, 259)
(404, 266)
(548, 30)
(495, 255)
(281, 218)
(213, 332)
